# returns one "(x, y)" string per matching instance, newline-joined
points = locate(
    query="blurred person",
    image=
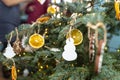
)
(9, 18)
(35, 9)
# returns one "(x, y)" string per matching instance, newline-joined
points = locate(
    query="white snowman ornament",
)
(69, 53)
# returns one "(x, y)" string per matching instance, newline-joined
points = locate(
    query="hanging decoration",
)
(51, 9)
(10, 65)
(77, 36)
(91, 37)
(91, 47)
(24, 38)
(17, 46)
(117, 9)
(27, 47)
(9, 53)
(73, 37)
(69, 53)
(13, 73)
(99, 56)
(100, 44)
(42, 19)
(36, 41)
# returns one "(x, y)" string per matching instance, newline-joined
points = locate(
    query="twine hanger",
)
(7, 65)
(11, 34)
(17, 35)
(95, 27)
(69, 32)
(46, 31)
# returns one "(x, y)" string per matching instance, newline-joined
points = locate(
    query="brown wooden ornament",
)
(17, 46)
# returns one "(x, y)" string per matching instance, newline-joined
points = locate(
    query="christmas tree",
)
(70, 42)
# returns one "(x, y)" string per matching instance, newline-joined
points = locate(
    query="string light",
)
(118, 50)
(106, 48)
(46, 66)
(24, 53)
(41, 67)
(19, 55)
(18, 70)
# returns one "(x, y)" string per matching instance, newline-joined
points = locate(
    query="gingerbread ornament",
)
(17, 45)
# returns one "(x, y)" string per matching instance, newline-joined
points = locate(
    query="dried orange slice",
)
(42, 19)
(76, 35)
(51, 10)
(36, 40)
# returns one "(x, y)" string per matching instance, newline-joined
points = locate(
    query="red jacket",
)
(38, 10)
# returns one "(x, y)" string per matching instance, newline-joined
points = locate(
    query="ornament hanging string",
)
(13, 72)
(95, 27)
(11, 34)
(69, 32)
(72, 22)
(17, 47)
(91, 37)
(46, 31)
(100, 24)
(6, 63)
(17, 36)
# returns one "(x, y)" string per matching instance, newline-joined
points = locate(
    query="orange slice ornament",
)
(77, 36)
(36, 41)
(51, 10)
(42, 19)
